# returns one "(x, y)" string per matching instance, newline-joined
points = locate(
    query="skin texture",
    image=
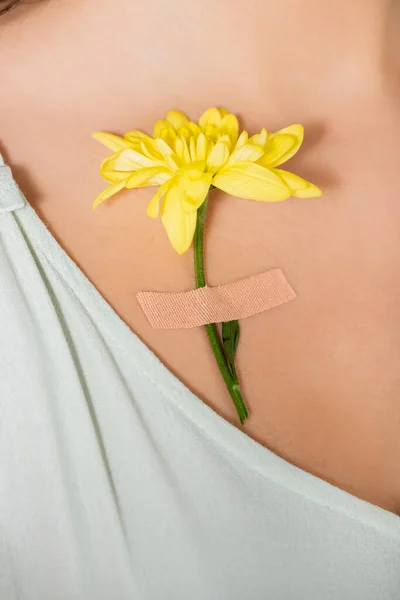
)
(6, 5)
(321, 375)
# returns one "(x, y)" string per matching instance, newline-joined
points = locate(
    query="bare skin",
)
(321, 375)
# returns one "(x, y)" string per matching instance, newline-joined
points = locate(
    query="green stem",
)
(231, 382)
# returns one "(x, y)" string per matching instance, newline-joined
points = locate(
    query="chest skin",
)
(320, 375)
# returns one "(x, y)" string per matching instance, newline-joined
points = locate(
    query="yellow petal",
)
(149, 148)
(159, 178)
(108, 169)
(135, 135)
(132, 160)
(242, 140)
(212, 117)
(193, 193)
(173, 162)
(295, 130)
(182, 149)
(247, 153)
(282, 145)
(259, 139)
(230, 126)
(251, 181)
(153, 205)
(177, 119)
(216, 122)
(194, 169)
(170, 158)
(136, 138)
(165, 130)
(226, 140)
(192, 148)
(142, 177)
(201, 146)
(164, 148)
(179, 225)
(217, 157)
(114, 142)
(107, 193)
(299, 187)
(194, 128)
(118, 166)
(184, 132)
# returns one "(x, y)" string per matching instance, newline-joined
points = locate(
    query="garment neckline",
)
(234, 441)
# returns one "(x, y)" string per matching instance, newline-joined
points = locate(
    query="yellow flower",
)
(186, 158)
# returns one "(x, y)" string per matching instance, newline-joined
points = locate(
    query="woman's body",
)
(120, 483)
(322, 375)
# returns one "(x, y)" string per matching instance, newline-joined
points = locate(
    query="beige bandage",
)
(228, 302)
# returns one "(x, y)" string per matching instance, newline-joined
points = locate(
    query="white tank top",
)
(118, 483)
